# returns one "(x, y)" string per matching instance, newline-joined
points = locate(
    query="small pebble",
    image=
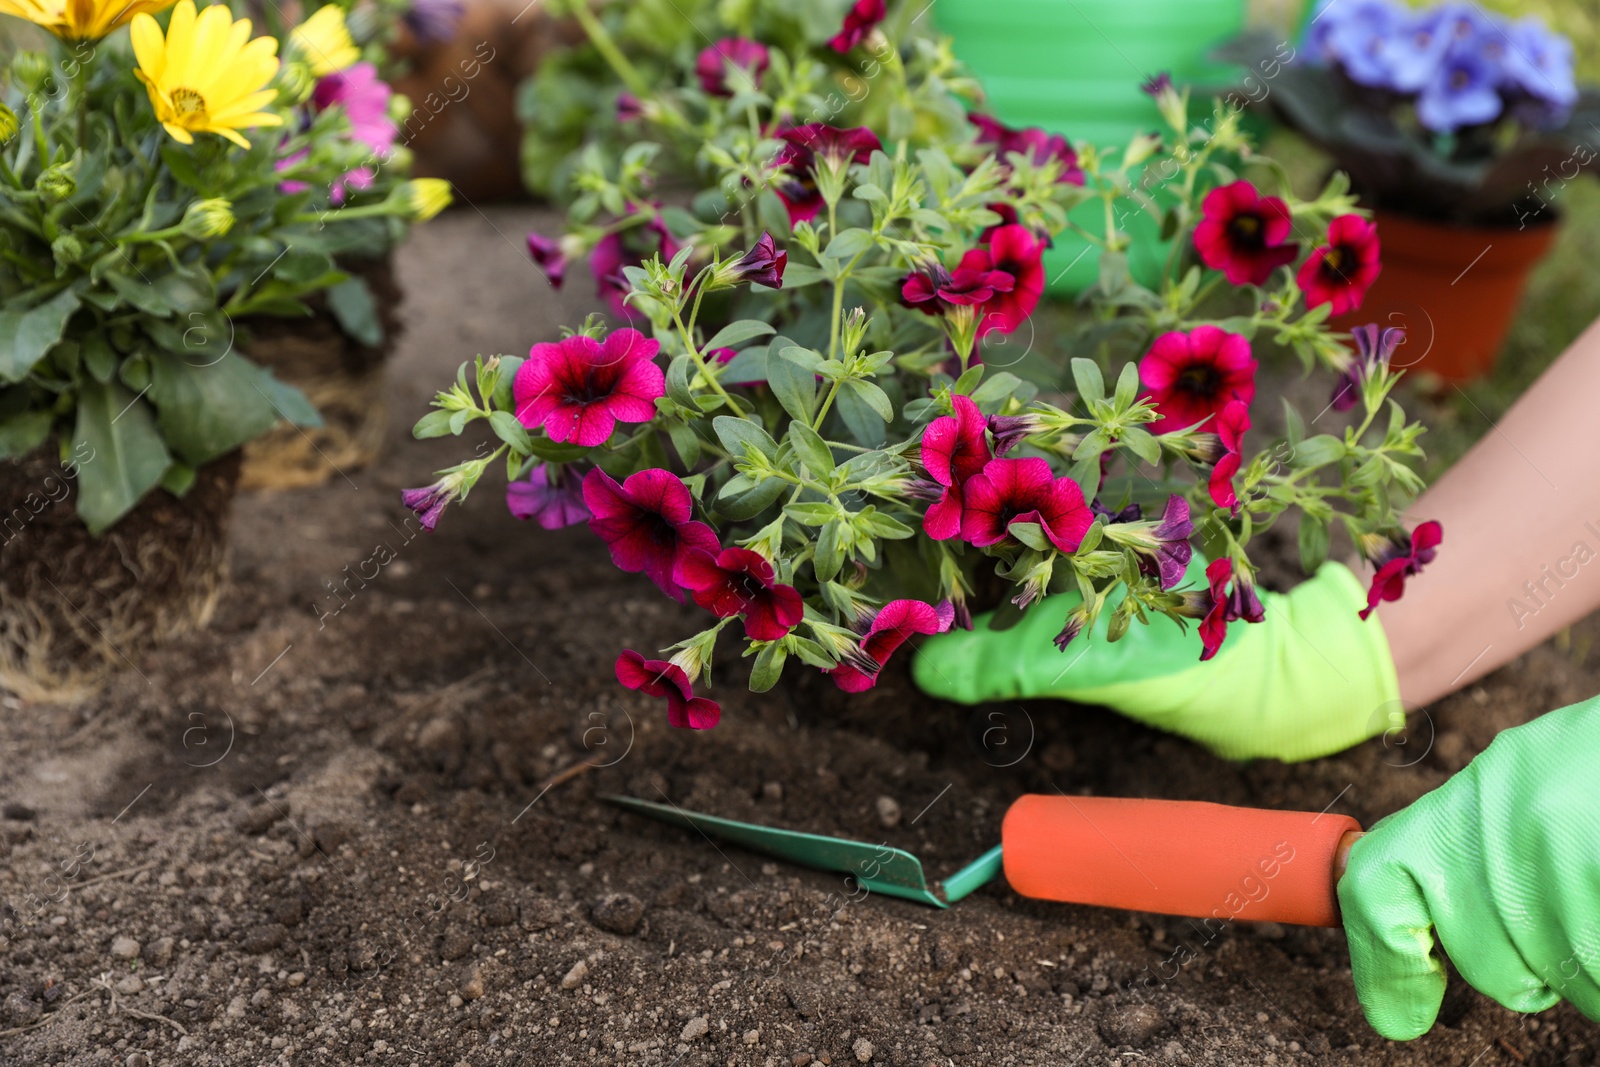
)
(752, 1037)
(124, 947)
(694, 1028)
(620, 913)
(888, 812)
(575, 977)
(862, 1049)
(472, 985)
(130, 985)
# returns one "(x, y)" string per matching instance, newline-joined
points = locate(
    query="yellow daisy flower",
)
(322, 41)
(80, 20)
(202, 76)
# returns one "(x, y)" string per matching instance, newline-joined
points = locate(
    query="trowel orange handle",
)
(1179, 857)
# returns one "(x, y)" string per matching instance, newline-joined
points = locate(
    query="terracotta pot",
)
(75, 607)
(342, 378)
(1454, 288)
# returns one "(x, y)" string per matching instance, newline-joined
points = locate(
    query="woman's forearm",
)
(1521, 554)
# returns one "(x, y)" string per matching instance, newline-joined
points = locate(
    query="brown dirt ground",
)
(325, 831)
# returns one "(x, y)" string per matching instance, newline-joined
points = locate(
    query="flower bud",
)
(206, 219)
(67, 250)
(56, 183)
(30, 70)
(9, 124)
(295, 83)
(420, 199)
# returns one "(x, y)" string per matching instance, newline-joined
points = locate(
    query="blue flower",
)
(434, 20)
(1539, 63)
(1356, 35)
(1461, 92)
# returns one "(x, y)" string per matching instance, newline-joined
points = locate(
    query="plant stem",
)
(606, 45)
(705, 371)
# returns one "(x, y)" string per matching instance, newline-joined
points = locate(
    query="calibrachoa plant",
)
(159, 183)
(790, 422)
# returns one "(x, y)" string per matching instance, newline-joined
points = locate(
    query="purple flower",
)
(1462, 91)
(1374, 347)
(629, 107)
(1010, 430)
(1173, 550)
(1156, 84)
(554, 504)
(434, 20)
(762, 265)
(1357, 34)
(429, 502)
(549, 256)
(714, 64)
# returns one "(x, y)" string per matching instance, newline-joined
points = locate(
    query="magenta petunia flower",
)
(1020, 253)
(1156, 84)
(1011, 430)
(1225, 607)
(1023, 490)
(365, 100)
(1374, 348)
(714, 63)
(1231, 425)
(1403, 559)
(629, 107)
(1036, 144)
(647, 523)
(1341, 271)
(627, 248)
(578, 389)
(892, 627)
(862, 18)
(935, 290)
(954, 449)
(554, 504)
(805, 148)
(737, 581)
(548, 255)
(1172, 548)
(1243, 234)
(659, 678)
(1192, 376)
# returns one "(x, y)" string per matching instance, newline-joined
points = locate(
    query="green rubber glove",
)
(1310, 679)
(1503, 863)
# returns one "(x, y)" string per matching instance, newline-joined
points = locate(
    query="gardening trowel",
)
(1178, 857)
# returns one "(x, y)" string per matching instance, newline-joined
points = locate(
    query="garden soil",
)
(335, 828)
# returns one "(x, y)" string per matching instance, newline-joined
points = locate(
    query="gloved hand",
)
(1502, 863)
(1310, 679)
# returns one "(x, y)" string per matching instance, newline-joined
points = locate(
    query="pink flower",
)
(627, 248)
(579, 389)
(554, 504)
(737, 581)
(935, 290)
(365, 99)
(1039, 146)
(1244, 234)
(647, 524)
(739, 53)
(953, 449)
(629, 108)
(1231, 426)
(889, 629)
(1020, 253)
(805, 148)
(862, 18)
(658, 678)
(1403, 559)
(1007, 491)
(1193, 376)
(762, 265)
(1341, 271)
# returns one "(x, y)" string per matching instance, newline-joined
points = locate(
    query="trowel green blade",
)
(878, 868)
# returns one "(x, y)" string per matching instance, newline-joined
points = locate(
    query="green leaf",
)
(433, 424)
(139, 294)
(207, 411)
(736, 433)
(829, 556)
(1127, 387)
(748, 366)
(1317, 451)
(1294, 426)
(793, 385)
(1030, 534)
(1091, 386)
(969, 380)
(768, 667)
(749, 504)
(25, 336)
(1142, 443)
(290, 403)
(811, 513)
(1313, 542)
(848, 244)
(678, 372)
(874, 397)
(355, 309)
(799, 275)
(876, 523)
(995, 390)
(736, 333)
(99, 359)
(812, 449)
(126, 457)
(864, 423)
(178, 480)
(508, 429)
(24, 432)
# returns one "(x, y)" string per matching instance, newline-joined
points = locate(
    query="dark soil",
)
(318, 833)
